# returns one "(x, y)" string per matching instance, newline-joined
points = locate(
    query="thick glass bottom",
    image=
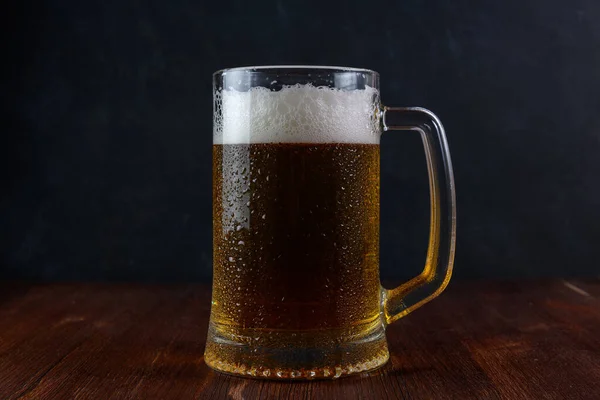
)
(286, 355)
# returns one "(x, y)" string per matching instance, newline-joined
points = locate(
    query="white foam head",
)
(296, 114)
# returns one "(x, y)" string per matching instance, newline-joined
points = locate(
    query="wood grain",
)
(493, 340)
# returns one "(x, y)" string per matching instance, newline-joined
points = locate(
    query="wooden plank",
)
(22, 308)
(530, 340)
(39, 335)
(119, 348)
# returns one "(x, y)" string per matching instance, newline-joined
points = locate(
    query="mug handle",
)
(433, 280)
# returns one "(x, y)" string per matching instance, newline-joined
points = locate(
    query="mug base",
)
(294, 359)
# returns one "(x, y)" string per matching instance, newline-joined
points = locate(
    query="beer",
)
(296, 292)
(296, 288)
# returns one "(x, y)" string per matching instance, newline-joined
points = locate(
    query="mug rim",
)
(307, 68)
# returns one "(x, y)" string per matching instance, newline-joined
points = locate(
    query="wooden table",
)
(526, 340)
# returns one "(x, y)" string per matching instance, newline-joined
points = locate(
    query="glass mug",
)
(296, 290)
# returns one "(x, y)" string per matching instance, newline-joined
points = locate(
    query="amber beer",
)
(305, 257)
(302, 266)
(296, 247)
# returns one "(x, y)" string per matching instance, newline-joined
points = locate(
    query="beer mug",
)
(296, 171)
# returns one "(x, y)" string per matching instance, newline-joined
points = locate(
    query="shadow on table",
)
(369, 385)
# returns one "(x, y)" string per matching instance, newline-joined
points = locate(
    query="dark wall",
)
(107, 112)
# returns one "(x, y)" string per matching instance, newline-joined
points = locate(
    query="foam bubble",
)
(297, 114)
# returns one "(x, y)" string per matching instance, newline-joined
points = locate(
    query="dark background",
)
(107, 113)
